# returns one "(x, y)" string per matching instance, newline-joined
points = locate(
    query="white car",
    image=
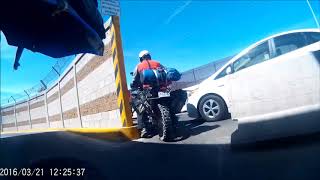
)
(277, 77)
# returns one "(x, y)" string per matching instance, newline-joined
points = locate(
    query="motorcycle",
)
(153, 103)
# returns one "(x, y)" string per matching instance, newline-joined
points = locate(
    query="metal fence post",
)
(215, 67)
(59, 93)
(46, 106)
(60, 102)
(77, 93)
(194, 77)
(30, 123)
(15, 115)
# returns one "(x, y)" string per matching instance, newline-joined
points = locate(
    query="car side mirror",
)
(228, 70)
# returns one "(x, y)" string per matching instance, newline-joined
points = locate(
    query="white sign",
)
(110, 7)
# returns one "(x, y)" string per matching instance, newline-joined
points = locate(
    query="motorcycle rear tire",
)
(165, 124)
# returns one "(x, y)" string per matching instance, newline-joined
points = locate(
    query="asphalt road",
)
(204, 152)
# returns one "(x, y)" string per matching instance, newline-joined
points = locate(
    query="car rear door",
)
(297, 68)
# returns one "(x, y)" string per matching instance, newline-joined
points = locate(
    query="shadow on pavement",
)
(192, 128)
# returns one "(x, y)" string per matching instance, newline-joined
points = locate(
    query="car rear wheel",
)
(212, 108)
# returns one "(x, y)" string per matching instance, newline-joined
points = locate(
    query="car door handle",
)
(221, 85)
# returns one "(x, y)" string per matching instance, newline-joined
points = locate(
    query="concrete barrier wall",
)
(97, 92)
(53, 103)
(37, 111)
(85, 96)
(22, 113)
(8, 119)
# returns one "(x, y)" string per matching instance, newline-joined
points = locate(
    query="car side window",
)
(257, 55)
(289, 42)
(312, 37)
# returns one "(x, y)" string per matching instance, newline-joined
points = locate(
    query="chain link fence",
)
(43, 84)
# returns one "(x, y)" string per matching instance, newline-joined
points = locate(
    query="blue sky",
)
(180, 34)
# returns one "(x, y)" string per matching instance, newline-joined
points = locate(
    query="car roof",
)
(280, 34)
(260, 41)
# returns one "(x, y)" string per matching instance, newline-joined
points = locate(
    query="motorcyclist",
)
(145, 63)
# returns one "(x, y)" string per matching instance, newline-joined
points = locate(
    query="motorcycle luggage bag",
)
(153, 77)
(173, 74)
